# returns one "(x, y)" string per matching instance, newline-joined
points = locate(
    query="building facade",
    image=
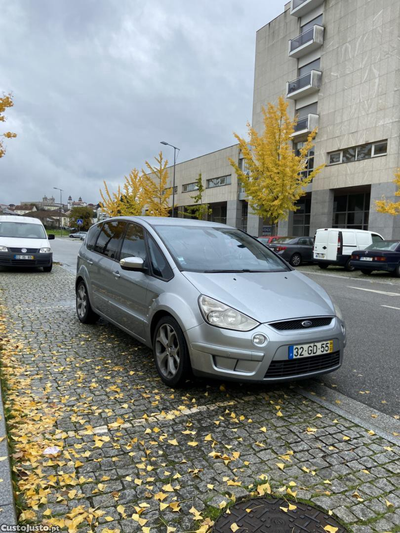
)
(338, 64)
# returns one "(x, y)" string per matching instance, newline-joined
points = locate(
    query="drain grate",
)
(264, 515)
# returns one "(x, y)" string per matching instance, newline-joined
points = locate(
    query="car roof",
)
(167, 221)
(16, 218)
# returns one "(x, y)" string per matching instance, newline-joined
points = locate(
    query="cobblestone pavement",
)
(137, 456)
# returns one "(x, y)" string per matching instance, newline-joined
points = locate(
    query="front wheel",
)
(295, 260)
(48, 268)
(171, 354)
(348, 267)
(324, 266)
(83, 308)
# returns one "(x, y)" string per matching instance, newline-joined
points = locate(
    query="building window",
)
(351, 211)
(170, 189)
(310, 159)
(189, 187)
(358, 153)
(314, 65)
(315, 22)
(301, 217)
(218, 182)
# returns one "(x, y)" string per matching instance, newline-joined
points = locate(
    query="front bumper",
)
(231, 355)
(7, 259)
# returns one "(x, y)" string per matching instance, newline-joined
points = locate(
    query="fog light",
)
(259, 339)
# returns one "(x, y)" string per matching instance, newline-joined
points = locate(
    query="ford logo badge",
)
(24, 250)
(306, 324)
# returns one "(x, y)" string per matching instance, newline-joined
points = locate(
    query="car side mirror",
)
(132, 263)
(51, 237)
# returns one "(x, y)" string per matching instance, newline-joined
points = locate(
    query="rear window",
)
(384, 245)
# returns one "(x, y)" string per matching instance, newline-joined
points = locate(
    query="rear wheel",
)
(295, 260)
(397, 271)
(349, 267)
(171, 354)
(366, 272)
(323, 265)
(83, 308)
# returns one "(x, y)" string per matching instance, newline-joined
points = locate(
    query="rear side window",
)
(159, 263)
(134, 245)
(92, 235)
(109, 239)
(376, 238)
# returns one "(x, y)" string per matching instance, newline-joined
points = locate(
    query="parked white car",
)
(334, 246)
(24, 243)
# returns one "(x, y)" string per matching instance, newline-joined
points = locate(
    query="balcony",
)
(306, 42)
(305, 85)
(305, 125)
(299, 8)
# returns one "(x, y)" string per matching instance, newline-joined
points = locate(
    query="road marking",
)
(372, 290)
(390, 307)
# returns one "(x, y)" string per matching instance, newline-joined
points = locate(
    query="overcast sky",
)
(97, 85)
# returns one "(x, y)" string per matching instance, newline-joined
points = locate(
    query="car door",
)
(127, 294)
(306, 248)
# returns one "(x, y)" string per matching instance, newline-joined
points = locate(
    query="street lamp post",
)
(173, 179)
(61, 191)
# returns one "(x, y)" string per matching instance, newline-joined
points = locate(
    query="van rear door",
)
(334, 244)
(326, 244)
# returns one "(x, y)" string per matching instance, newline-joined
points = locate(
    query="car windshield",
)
(208, 249)
(22, 230)
(384, 245)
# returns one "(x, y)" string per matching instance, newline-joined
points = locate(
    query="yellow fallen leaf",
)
(284, 509)
(193, 443)
(173, 442)
(280, 465)
(331, 529)
(389, 504)
(234, 527)
(263, 429)
(292, 507)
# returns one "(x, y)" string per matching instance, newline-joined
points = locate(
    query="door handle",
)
(90, 261)
(117, 274)
(324, 247)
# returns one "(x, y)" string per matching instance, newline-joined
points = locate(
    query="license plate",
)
(320, 256)
(366, 258)
(308, 350)
(24, 257)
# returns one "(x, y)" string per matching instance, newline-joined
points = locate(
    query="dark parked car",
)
(383, 256)
(268, 239)
(296, 250)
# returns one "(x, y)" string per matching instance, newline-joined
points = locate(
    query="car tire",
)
(366, 272)
(48, 268)
(348, 267)
(171, 355)
(83, 308)
(295, 260)
(397, 271)
(324, 266)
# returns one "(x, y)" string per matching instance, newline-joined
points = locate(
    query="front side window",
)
(109, 239)
(22, 230)
(208, 249)
(134, 244)
(376, 238)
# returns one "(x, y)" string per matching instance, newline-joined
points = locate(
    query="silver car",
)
(208, 299)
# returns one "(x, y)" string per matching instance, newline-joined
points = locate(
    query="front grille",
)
(28, 263)
(297, 324)
(28, 250)
(294, 367)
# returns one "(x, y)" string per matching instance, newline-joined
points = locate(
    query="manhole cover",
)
(262, 515)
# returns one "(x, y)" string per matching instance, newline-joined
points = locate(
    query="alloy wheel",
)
(81, 301)
(167, 351)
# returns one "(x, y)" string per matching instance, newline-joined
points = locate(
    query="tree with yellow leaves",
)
(390, 208)
(155, 185)
(130, 201)
(5, 102)
(274, 178)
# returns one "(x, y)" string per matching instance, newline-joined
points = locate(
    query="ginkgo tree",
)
(6, 101)
(199, 210)
(130, 200)
(274, 176)
(155, 184)
(390, 208)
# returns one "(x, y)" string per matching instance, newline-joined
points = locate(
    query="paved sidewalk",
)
(129, 454)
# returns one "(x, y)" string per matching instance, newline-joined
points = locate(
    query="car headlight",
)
(3, 249)
(338, 312)
(222, 316)
(45, 250)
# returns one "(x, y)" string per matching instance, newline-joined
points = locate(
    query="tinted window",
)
(209, 249)
(159, 263)
(109, 238)
(92, 236)
(134, 245)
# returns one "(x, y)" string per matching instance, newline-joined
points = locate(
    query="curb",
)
(8, 514)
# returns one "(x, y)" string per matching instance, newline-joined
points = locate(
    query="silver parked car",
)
(208, 299)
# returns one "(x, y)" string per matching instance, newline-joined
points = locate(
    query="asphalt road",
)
(371, 369)
(65, 252)
(370, 372)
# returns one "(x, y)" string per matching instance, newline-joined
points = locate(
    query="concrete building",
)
(338, 64)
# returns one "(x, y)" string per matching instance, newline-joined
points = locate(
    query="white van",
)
(334, 246)
(24, 243)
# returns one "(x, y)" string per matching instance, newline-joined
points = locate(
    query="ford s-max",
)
(208, 299)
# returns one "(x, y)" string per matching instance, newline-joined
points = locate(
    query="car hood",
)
(12, 242)
(266, 297)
